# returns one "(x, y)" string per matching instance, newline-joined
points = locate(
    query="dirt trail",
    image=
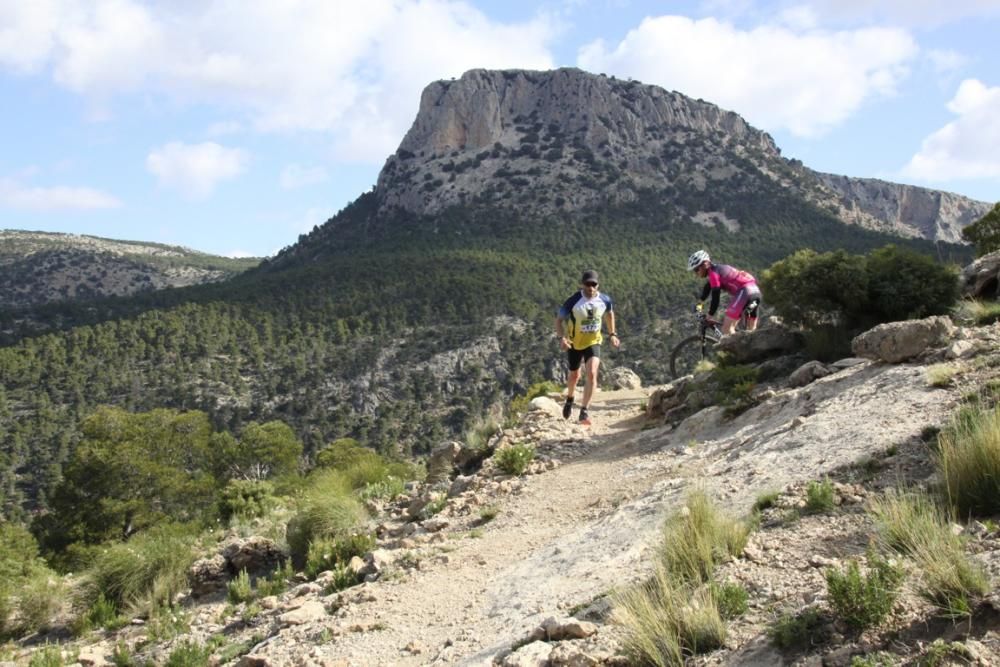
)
(551, 547)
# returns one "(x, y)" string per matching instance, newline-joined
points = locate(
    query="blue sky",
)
(233, 126)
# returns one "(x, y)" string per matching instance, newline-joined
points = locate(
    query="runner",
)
(578, 329)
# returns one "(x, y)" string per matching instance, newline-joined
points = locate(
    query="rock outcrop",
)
(546, 142)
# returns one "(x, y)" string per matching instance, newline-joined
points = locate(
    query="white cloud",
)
(296, 176)
(969, 146)
(354, 70)
(804, 81)
(916, 13)
(196, 169)
(946, 61)
(15, 195)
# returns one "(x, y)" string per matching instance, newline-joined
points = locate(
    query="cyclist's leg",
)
(735, 310)
(752, 309)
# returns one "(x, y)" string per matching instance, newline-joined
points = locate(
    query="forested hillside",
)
(38, 267)
(399, 331)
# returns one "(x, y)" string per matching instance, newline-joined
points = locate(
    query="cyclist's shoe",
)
(584, 417)
(568, 407)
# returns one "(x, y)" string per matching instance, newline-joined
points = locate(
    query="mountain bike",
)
(699, 347)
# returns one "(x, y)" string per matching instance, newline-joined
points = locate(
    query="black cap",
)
(589, 276)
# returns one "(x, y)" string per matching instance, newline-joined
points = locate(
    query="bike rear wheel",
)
(688, 353)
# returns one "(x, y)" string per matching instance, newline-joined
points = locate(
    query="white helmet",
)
(696, 258)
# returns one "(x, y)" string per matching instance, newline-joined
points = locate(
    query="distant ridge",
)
(44, 267)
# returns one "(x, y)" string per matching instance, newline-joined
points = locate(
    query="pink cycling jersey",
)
(729, 278)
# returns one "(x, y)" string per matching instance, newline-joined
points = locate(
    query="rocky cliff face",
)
(566, 140)
(905, 210)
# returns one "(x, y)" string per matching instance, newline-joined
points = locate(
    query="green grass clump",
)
(514, 460)
(941, 375)
(478, 435)
(675, 614)
(327, 509)
(698, 538)
(912, 525)
(146, 572)
(665, 621)
(864, 601)
(968, 457)
(819, 497)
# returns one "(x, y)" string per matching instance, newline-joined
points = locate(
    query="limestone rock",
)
(894, 342)
(623, 378)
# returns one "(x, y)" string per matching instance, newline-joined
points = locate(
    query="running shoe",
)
(567, 408)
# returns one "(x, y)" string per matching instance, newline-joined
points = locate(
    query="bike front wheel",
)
(688, 353)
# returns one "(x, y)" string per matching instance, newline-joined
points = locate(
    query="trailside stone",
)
(807, 373)
(441, 463)
(769, 341)
(208, 575)
(895, 342)
(535, 654)
(623, 378)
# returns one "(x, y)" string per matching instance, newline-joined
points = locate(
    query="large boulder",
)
(441, 463)
(623, 378)
(256, 554)
(894, 342)
(769, 341)
(981, 279)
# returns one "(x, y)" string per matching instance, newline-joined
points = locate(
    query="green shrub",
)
(880, 659)
(836, 289)
(864, 601)
(734, 385)
(246, 499)
(765, 501)
(48, 656)
(189, 654)
(819, 497)
(386, 489)
(239, 588)
(797, 631)
(514, 460)
(329, 554)
(101, 614)
(730, 599)
(968, 457)
(985, 232)
(277, 582)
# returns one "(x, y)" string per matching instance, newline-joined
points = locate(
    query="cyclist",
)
(741, 285)
(578, 329)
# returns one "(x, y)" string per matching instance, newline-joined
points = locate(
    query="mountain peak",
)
(563, 140)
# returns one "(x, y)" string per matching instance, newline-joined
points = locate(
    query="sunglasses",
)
(588, 284)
